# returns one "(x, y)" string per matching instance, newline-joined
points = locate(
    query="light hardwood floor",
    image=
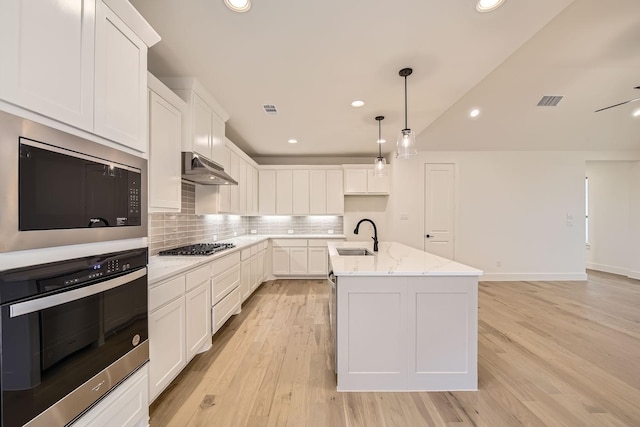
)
(549, 354)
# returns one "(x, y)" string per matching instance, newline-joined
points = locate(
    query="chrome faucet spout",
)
(375, 232)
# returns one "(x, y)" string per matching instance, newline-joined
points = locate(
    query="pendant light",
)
(406, 145)
(380, 164)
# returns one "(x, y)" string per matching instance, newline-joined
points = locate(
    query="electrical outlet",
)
(235, 234)
(215, 237)
(290, 231)
(330, 231)
(498, 263)
(254, 231)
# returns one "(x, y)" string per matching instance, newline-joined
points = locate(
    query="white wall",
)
(373, 207)
(511, 207)
(634, 226)
(614, 217)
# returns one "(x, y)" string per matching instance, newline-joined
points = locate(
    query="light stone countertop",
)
(164, 267)
(394, 259)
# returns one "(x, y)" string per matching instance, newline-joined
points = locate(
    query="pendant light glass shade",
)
(380, 163)
(380, 167)
(406, 144)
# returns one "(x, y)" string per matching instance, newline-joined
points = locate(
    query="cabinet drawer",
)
(224, 309)
(166, 291)
(225, 263)
(196, 277)
(254, 250)
(318, 242)
(262, 246)
(245, 254)
(224, 283)
(286, 243)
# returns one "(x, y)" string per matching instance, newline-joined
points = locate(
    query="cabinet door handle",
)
(428, 235)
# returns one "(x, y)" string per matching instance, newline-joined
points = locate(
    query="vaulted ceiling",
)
(312, 59)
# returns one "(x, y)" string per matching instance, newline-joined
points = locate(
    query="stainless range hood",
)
(200, 170)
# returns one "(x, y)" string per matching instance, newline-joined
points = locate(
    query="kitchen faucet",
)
(375, 232)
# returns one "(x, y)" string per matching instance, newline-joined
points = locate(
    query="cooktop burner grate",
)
(198, 249)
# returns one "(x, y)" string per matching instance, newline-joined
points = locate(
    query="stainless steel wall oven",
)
(58, 189)
(70, 332)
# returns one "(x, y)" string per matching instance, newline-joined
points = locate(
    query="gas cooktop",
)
(198, 249)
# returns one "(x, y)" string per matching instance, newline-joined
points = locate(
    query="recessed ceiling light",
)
(636, 113)
(292, 141)
(488, 5)
(474, 113)
(239, 6)
(357, 103)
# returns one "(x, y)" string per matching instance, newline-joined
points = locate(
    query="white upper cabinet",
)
(165, 142)
(201, 124)
(82, 63)
(300, 192)
(267, 191)
(326, 192)
(335, 192)
(47, 51)
(318, 191)
(238, 199)
(205, 124)
(359, 180)
(284, 192)
(121, 81)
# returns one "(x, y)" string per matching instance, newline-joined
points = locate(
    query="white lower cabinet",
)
(126, 406)
(179, 325)
(252, 272)
(245, 279)
(299, 257)
(280, 261)
(167, 345)
(225, 289)
(198, 319)
(298, 261)
(226, 308)
(318, 260)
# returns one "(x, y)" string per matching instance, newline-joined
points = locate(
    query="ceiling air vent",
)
(270, 109)
(549, 101)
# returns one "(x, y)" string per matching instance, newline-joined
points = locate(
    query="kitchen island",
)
(403, 319)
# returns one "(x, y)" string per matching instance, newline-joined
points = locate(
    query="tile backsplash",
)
(312, 224)
(170, 230)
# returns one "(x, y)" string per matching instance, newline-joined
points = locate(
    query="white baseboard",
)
(537, 277)
(608, 268)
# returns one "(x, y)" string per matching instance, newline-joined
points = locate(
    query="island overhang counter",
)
(403, 320)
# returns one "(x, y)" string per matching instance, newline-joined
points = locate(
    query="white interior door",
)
(439, 234)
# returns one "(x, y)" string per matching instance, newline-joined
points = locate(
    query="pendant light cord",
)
(379, 138)
(405, 103)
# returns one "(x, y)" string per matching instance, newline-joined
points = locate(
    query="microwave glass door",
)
(62, 189)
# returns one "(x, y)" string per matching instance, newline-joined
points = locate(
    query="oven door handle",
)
(32, 306)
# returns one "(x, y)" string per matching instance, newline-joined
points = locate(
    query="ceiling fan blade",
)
(617, 105)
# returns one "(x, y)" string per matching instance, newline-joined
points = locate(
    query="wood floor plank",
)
(549, 354)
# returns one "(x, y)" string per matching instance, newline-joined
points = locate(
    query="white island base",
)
(405, 332)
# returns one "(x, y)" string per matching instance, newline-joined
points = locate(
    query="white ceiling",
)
(312, 58)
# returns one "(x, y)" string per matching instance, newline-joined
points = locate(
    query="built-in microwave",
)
(59, 189)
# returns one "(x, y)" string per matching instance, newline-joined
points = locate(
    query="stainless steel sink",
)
(353, 252)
